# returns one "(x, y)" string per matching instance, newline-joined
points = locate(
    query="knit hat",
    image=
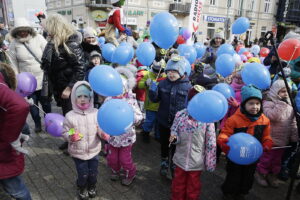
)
(176, 63)
(89, 32)
(250, 92)
(195, 90)
(95, 54)
(83, 90)
(219, 34)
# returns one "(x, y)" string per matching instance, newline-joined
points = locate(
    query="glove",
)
(17, 144)
(30, 101)
(104, 136)
(223, 145)
(267, 145)
(233, 102)
(153, 86)
(148, 81)
(127, 31)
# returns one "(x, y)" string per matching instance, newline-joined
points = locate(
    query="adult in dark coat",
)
(13, 112)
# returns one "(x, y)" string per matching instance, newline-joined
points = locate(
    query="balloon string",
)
(292, 55)
(161, 66)
(39, 108)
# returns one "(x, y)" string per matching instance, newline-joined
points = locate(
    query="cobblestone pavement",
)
(50, 175)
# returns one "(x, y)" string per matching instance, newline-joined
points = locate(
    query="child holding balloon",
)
(80, 130)
(277, 107)
(195, 151)
(119, 147)
(250, 119)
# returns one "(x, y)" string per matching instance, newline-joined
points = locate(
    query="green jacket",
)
(149, 105)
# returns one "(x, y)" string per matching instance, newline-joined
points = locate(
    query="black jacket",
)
(63, 69)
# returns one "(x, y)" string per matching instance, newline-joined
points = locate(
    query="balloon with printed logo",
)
(188, 51)
(164, 30)
(145, 53)
(241, 25)
(200, 49)
(225, 65)
(107, 51)
(289, 49)
(264, 52)
(225, 49)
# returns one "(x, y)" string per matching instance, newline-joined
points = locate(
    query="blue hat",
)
(83, 90)
(176, 63)
(250, 92)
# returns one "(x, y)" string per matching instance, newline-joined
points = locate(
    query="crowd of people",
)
(61, 61)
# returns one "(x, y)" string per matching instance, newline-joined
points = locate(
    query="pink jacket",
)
(281, 115)
(85, 122)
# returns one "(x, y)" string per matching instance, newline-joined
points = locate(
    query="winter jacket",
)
(140, 92)
(87, 49)
(281, 115)
(129, 137)
(239, 122)
(149, 105)
(196, 143)
(23, 61)
(13, 114)
(172, 97)
(210, 55)
(85, 122)
(64, 69)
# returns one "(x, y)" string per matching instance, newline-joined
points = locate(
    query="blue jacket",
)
(172, 97)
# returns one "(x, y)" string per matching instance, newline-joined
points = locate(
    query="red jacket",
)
(13, 112)
(115, 19)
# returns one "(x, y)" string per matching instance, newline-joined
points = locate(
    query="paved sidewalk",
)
(50, 175)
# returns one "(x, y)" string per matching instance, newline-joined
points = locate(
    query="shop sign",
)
(215, 19)
(134, 13)
(99, 15)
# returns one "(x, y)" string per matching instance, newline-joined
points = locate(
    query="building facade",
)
(217, 14)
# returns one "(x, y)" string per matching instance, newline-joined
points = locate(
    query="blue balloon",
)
(240, 25)
(200, 49)
(208, 107)
(256, 74)
(123, 54)
(242, 50)
(130, 47)
(188, 51)
(106, 81)
(101, 40)
(255, 49)
(188, 67)
(164, 30)
(107, 51)
(297, 99)
(244, 149)
(225, 49)
(115, 117)
(225, 65)
(181, 31)
(117, 33)
(224, 89)
(145, 53)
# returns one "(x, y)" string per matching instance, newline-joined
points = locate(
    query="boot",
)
(82, 193)
(38, 128)
(92, 191)
(272, 180)
(146, 137)
(114, 176)
(261, 179)
(127, 181)
(164, 167)
(63, 146)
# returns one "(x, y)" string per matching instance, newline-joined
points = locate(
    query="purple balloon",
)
(186, 34)
(26, 84)
(54, 124)
(243, 58)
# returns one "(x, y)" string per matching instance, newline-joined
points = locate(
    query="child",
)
(171, 94)
(156, 73)
(195, 152)
(119, 147)
(248, 118)
(84, 150)
(277, 107)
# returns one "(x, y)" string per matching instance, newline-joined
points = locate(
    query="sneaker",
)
(272, 180)
(164, 167)
(261, 179)
(127, 181)
(239, 197)
(82, 193)
(146, 137)
(228, 197)
(114, 176)
(92, 191)
(63, 146)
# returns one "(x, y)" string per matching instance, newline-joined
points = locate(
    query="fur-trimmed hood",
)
(21, 24)
(129, 76)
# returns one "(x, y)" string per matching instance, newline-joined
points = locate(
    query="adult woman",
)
(89, 43)
(25, 52)
(63, 60)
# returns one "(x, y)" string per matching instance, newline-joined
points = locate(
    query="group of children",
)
(188, 146)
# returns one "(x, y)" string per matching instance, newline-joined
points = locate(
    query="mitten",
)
(267, 145)
(104, 136)
(127, 31)
(223, 145)
(153, 86)
(233, 102)
(17, 145)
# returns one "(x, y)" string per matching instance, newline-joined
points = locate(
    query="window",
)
(210, 24)
(252, 5)
(229, 3)
(212, 2)
(267, 7)
(263, 28)
(177, 1)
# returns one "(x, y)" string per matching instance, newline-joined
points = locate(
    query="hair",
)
(9, 75)
(60, 29)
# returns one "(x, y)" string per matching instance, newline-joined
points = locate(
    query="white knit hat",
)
(219, 34)
(89, 32)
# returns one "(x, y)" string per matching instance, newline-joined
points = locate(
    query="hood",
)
(21, 24)
(129, 76)
(276, 86)
(89, 48)
(73, 98)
